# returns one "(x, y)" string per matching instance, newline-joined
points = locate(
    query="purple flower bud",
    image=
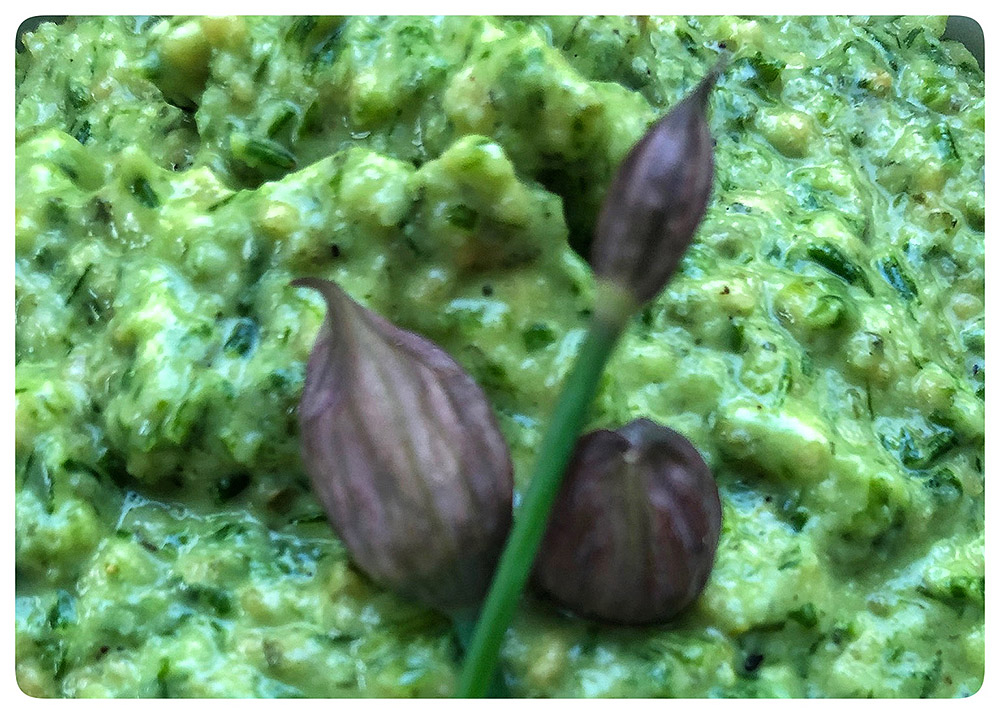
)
(633, 533)
(657, 199)
(405, 455)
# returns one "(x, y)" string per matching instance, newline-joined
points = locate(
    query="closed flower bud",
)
(633, 533)
(657, 199)
(405, 455)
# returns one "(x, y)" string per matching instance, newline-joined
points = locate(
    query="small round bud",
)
(633, 533)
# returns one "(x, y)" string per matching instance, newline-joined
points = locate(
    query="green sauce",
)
(822, 343)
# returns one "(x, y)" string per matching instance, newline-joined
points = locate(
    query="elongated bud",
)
(405, 455)
(657, 199)
(635, 526)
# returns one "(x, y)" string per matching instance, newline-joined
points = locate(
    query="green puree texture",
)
(822, 344)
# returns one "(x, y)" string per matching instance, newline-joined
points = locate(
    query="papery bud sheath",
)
(634, 529)
(405, 455)
(657, 199)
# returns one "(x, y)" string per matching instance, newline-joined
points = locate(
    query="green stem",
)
(529, 527)
(464, 625)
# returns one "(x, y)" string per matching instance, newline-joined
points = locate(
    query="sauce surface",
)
(822, 343)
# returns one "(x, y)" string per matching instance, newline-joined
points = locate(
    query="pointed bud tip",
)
(333, 295)
(318, 284)
(704, 88)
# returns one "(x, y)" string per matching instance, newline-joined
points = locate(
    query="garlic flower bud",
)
(405, 455)
(657, 199)
(633, 533)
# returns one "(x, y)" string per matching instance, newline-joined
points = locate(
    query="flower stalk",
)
(518, 556)
(648, 220)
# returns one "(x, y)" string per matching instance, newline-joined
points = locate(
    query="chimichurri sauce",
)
(822, 344)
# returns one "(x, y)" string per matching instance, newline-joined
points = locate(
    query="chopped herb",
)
(281, 120)
(805, 615)
(912, 35)
(79, 282)
(243, 338)
(919, 452)
(537, 336)
(796, 515)
(63, 611)
(894, 275)
(785, 381)
(230, 529)
(55, 213)
(946, 142)
(647, 316)
(161, 677)
(77, 96)
(143, 192)
(736, 337)
(70, 171)
(261, 153)
(220, 203)
(301, 28)
(38, 479)
(945, 485)
(685, 37)
(767, 70)
(461, 216)
(76, 465)
(282, 378)
(326, 52)
(840, 634)
(974, 338)
(101, 210)
(877, 41)
(217, 599)
(831, 258)
(83, 133)
(790, 563)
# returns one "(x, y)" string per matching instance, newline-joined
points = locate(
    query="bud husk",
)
(405, 455)
(633, 533)
(657, 199)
